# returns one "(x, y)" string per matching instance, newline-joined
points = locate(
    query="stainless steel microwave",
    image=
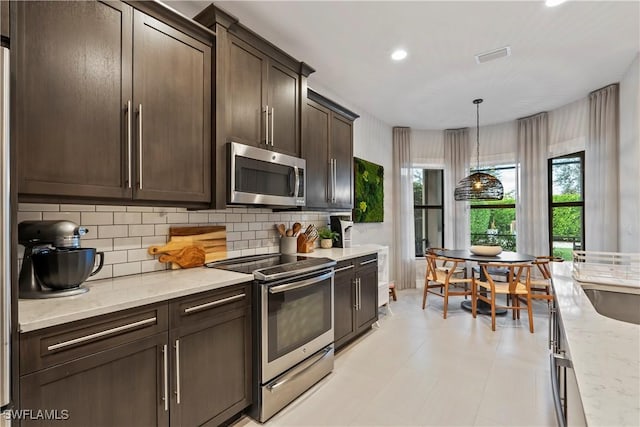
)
(263, 177)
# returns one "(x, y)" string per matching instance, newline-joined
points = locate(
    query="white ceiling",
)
(558, 55)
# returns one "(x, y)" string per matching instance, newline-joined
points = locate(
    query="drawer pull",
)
(102, 334)
(348, 267)
(200, 307)
(368, 262)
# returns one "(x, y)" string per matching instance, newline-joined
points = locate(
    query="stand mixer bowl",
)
(65, 268)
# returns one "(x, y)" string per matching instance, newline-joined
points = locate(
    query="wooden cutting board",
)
(212, 239)
(190, 256)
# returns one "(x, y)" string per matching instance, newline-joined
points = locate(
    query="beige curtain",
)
(457, 229)
(532, 214)
(404, 236)
(601, 171)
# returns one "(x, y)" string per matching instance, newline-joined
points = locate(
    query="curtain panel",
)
(404, 235)
(601, 171)
(532, 214)
(456, 157)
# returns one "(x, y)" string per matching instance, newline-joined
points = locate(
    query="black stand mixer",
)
(54, 264)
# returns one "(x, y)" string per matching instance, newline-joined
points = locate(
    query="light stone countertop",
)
(120, 293)
(605, 355)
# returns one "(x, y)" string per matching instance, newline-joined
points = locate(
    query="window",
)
(566, 204)
(494, 221)
(428, 209)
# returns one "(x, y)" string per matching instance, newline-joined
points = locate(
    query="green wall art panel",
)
(369, 191)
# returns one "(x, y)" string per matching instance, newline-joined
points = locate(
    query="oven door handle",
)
(296, 285)
(301, 369)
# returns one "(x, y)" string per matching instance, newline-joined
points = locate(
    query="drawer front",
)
(51, 346)
(367, 260)
(196, 308)
(345, 266)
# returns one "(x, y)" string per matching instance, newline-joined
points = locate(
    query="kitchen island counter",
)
(120, 293)
(605, 355)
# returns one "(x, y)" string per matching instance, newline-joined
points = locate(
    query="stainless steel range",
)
(293, 326)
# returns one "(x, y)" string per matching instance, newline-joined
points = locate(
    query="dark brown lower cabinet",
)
(118, 387)
(186, 362)
(211, 357)
(355, 298)
(344, 302)
(367, 314)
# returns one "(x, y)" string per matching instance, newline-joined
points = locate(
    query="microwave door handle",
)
(296, 187)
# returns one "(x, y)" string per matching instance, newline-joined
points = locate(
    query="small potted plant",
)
(327, 237)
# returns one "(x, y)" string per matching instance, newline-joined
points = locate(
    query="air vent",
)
(481, 58)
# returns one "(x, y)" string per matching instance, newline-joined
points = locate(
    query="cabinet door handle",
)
(101, 334)
(358, 293)
(330, 181)
(165, 387)
(129, 142)
(222, 301)
(140, 145)
(335, 178)
(272, 124)
(266, 124)
(333, 183)
(552, 312)
(177, 347)
(368, 262)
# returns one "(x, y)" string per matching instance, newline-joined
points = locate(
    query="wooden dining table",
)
(503, 257)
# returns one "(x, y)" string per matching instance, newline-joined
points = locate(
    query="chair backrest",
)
(436, 274)
(517, 273)
(542, 262)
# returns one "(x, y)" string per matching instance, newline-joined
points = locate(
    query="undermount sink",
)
(616, 305)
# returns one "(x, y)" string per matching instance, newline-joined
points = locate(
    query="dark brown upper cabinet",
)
(259, 93)
(263, 100)
(172, 102)
(327, 146)
(111, 104)
(4, 20)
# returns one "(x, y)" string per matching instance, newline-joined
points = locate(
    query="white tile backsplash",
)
(96, 218)
(61, 216)
(124, 233)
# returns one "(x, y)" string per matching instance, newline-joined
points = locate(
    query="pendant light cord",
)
(478, 102)
(478, 136)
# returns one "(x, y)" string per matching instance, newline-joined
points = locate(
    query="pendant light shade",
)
(479, 185)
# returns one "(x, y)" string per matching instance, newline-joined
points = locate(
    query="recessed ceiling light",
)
(553, 3)
(399, 54)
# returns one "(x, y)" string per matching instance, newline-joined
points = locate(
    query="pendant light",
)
(479, 185)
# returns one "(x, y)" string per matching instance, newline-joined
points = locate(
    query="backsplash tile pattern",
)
(125, 232)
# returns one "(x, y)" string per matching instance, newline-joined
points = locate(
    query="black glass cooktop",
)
(267, 267)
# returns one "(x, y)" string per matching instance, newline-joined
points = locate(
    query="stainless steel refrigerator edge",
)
(5, 240)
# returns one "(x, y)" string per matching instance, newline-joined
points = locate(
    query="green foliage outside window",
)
(567, 221)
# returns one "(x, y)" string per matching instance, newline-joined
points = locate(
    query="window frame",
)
(433, 207)
(551, 204)
(487, 204)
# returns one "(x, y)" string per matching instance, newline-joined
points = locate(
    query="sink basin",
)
(616, 305)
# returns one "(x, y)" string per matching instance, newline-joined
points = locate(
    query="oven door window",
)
(259, 177)
(298, 316)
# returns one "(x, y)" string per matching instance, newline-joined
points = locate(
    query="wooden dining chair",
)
(445, 265)
(443, 279)
(517, 286)
(541, 283)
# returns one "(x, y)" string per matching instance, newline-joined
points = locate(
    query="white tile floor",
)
(417, 369)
